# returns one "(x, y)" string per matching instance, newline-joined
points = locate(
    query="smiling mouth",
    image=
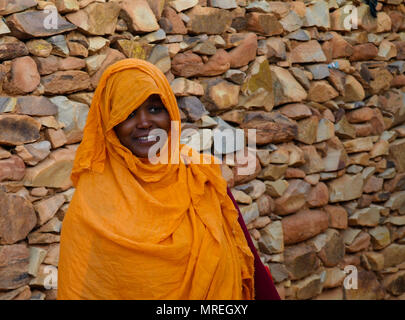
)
(147, 139)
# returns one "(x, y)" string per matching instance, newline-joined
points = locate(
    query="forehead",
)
(154, 98)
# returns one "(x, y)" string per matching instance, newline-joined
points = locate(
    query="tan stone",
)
(97, 43)
(312, 179)
(265, 204)
(219, 63)
(17, 218)
(340, 47)
(344, 129)
(332, 249)
(73, 116)
(360, 242)
(208, 20)
(280, 156)
(39, 192)
(35, 106)
(241, 197)
(62, 82)
(263, 23)
(295, 111)
(358, 145)
(22, 293)
(71, 63)
(35, 23)
(384, 23)
(272, 172)
(394, 254)
(308, 287)
(360, 115)
(380, 237)
(248, 170)
(12, 168)
(259, 188)
(293, 199)
(219, 94)
(249, 212)
(40, 47)
(47, 65)
(396, 153)
(334, 277)
(300, 260)
(304, 225)
(33, 153)
(227, 174)
(382, 79)
(16, 6)
(56, 137)
(53, 225)
(18, 129)
(24, 77)
(272, 240)
(54, 172)
(313, 162)
(171, 22)
(375, 260)
(186, 64)
(259, 223)
(14, 261)
(336, 157)
(47, 208)
(309, 51)
(364, 52)
(65, 6)
(365, 217)
(52, 257)
(97, 18)
(353, 90)
(325, 130)
(183, 87)
(4, 154)
(276, 188)
(346, 188)
(37, 256)
(321, 91)
(112, 56)
(318, 196)
(395, 283)
(244, 52)
(368, 287)
(307, 130)
(386, 50)
(42, 238)
(271, 128)
(396, 202)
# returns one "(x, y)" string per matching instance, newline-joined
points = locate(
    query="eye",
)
(132, 114)
(156, 109)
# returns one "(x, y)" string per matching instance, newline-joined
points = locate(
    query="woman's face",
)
(134, 131)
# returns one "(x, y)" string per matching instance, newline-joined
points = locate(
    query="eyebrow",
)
(156, 100)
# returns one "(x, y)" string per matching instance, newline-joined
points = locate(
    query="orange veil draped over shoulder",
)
(136, 230)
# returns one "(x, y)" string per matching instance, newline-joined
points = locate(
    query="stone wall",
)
(325, 95)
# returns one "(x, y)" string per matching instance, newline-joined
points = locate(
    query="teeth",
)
(148, 138)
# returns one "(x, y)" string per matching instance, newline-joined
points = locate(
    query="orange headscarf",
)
(136, 230)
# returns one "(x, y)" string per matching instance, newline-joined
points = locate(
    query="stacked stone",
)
(325, 94)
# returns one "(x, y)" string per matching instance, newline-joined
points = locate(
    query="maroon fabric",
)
(264, 286)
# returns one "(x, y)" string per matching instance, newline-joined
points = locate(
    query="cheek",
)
(164, 121)
(122, 130)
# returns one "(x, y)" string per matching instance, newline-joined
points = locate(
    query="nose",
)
(143, 119)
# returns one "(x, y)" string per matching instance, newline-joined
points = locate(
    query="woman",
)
(142, 230)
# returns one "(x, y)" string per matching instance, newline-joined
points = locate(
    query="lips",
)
(146, 139)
